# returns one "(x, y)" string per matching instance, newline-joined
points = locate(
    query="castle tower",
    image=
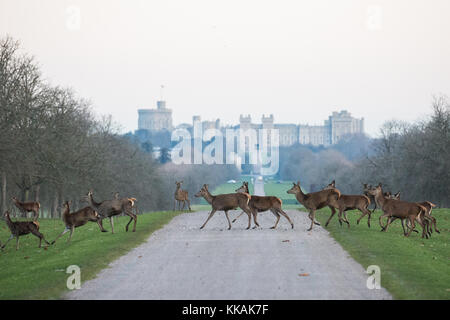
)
(155, 119)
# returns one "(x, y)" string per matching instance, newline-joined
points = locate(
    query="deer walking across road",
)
(314, 201)
(181, 196)
(263, 203)
(225, 202)
(348, 202)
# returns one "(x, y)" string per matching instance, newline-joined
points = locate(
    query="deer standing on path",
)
(21, 228)
(26, 207)
(77, 219)
(225, 202)
(263, 203)
(314, 201)
(348, 202)
(111, 208)
(181, 196)
(400, 210)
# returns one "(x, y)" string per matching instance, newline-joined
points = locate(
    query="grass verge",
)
(33, 273)
(411, 268)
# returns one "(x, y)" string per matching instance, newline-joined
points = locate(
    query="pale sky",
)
(299, 60)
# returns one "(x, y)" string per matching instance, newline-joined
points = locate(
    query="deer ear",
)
(298, 183)
(333, 183)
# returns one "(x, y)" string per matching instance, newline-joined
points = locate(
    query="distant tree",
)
(164, 157)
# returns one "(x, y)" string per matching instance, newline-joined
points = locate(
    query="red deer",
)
(21, 228)
(26, 207)
(401, 210)
(428, 206)
(77, 219)
(348, 202)
(314, 201)
(181, 196)
(111, 208)
(264, 203)
(225, 202)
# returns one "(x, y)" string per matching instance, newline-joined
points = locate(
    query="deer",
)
(348, 202)
(428, 206)
(21, 228)
(314, 201)
(399, 209)
(77, 219)
(225, 202)
(132, 200)
(26, 207)
(263, 203)
(181, 196)
(111, 208)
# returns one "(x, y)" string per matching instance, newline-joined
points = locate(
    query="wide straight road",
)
(181, 261)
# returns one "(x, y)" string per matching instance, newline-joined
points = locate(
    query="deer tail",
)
(36, 224)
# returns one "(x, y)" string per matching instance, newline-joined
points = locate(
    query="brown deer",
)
(225, 202)
(314, 201)
(181, 196)
(77, 219)
(428, 206)
(400, 210)
(21, 228)
(348, 202)
(26, 207)
(264, 203)
(111, 208)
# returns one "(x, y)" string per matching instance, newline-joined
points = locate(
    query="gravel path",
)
(182, 262)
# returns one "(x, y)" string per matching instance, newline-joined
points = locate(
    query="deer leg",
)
(40, 236)
(333, 212)
(71, 233)
(10, 238)
(209, 217)
(237, 217)
(312, 214)
(132, 217)
(380, 220)
(346, 219)
(255, 215)
(184, 204)
(413, 225)
(36, 215)
(284, 214)
(228, 219)
(276, 214)
(100, 225)
(61, 234)
(111, 221)
(174, 204)
(189, 204)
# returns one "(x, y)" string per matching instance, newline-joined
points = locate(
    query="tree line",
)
(413, 158)
(53, 148)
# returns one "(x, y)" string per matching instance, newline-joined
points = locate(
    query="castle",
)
(338, 125)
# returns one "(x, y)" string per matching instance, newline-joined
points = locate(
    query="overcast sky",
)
(299, 60)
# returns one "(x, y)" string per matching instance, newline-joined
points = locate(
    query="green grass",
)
(33, 273)
(411, 268)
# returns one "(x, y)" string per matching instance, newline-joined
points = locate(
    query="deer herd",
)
(392, 207)
(94, 212)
